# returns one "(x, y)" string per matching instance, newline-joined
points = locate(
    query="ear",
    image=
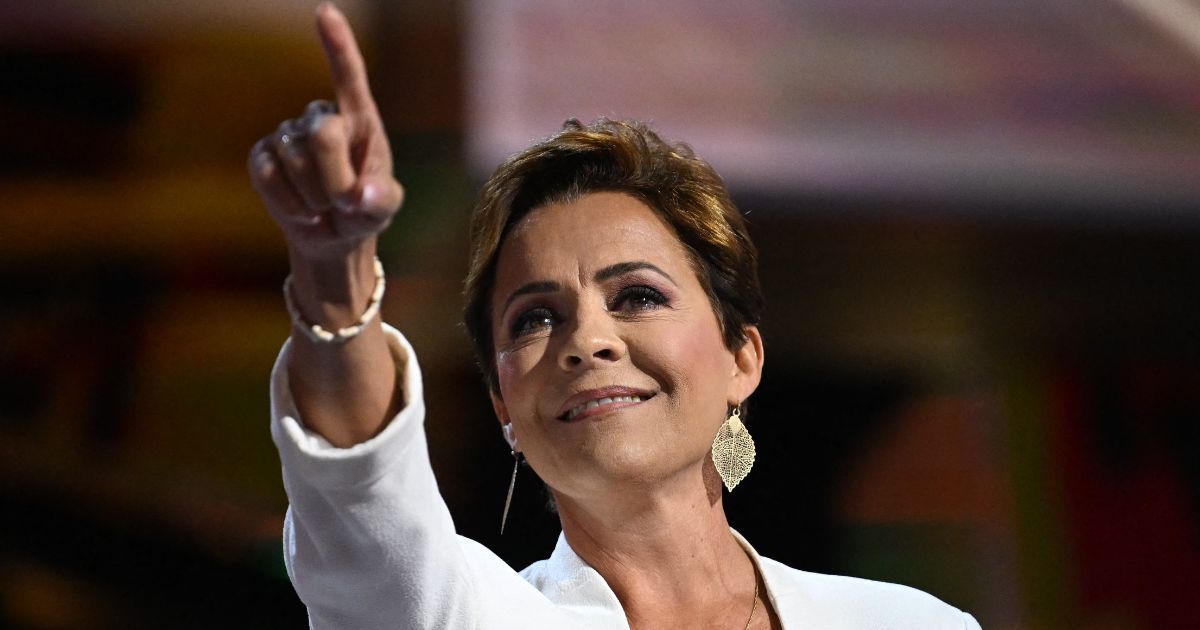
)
(505, 421)
(747, 366)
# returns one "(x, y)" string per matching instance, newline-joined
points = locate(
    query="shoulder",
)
(835, 601)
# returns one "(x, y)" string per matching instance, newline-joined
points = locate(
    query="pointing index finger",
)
(345, 61)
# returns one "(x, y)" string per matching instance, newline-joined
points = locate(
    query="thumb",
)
(377, 197)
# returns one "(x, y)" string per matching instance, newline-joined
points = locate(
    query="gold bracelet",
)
(319, 334)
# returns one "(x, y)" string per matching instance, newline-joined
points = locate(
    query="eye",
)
(638, 298)
(531, 321)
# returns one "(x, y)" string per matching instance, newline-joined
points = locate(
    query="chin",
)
(625, 463)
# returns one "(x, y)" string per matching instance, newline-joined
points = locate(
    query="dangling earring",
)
(733, 450)
(512, 483)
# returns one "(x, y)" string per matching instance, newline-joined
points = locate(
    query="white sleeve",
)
(368, 541)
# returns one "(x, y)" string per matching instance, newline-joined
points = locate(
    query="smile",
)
(600, 401)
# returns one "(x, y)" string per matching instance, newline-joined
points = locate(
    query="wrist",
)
(333, 292)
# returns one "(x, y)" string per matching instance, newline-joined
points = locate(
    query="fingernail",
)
(370, 195)
(324, 106)
(315, 114)
(264, 165)
(313, 123)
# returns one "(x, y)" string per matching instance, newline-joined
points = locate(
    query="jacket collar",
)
(574, 583)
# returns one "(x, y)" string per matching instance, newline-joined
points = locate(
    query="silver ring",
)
(291, 134)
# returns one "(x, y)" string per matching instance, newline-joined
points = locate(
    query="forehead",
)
(580, 236)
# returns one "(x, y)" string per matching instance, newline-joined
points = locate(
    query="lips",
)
(595, 401)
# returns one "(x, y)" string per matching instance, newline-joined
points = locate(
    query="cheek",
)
(516, 375)
(509, 377)
(695, 364)
(699, 350)
(506, 370)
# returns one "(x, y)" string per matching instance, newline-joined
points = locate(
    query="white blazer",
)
(369, 543)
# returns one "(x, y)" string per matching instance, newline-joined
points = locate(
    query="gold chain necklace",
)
(754, 604)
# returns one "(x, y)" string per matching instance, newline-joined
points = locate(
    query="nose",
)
(592, 341)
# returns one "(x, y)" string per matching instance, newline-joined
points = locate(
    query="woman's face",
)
(611, 363)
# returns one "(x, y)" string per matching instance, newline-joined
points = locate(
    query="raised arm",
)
(368, 541)
(326, 179)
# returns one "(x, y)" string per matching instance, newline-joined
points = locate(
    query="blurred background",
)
(980, 231)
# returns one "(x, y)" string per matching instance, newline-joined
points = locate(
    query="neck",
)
(666, 551)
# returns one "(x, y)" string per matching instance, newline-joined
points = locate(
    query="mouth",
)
(597, 401)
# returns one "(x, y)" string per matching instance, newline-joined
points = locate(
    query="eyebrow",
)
(543, 286)
(607, 273)
(623, 268)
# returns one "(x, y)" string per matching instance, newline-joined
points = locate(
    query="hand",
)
(326, 177)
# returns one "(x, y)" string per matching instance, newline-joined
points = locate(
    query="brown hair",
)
(627, 157)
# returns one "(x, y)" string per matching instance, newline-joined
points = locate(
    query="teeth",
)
(592, 404)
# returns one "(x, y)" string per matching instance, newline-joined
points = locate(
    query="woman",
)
(613, 302)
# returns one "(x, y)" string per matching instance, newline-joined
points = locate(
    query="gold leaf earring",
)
(733, 450)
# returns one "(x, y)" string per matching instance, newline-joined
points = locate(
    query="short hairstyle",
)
(627, 157)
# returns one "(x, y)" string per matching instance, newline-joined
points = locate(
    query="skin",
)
(637, 493)
(616, 302)
(332, 194)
